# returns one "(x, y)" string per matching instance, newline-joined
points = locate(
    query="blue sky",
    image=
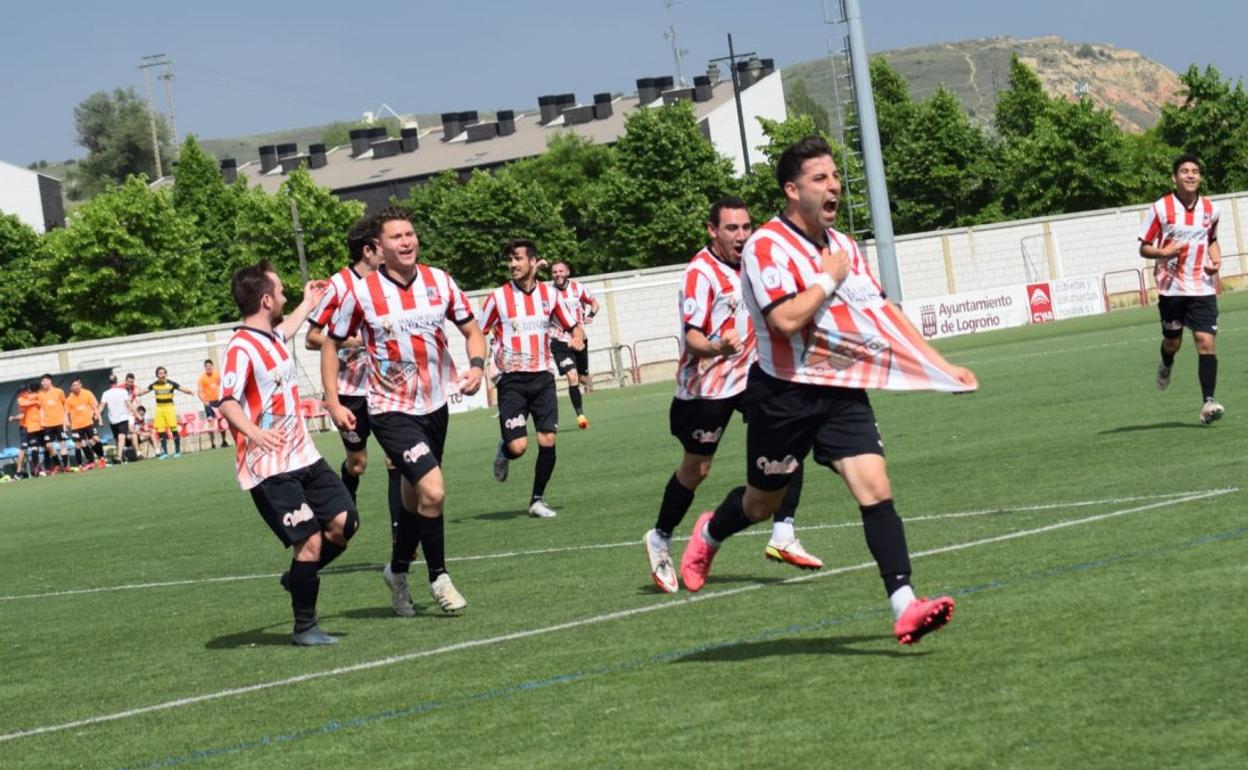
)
(248, 67)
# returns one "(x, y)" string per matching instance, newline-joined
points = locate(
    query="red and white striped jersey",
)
(261, 376)
(856, 338)
(1169, 221)
(518, 322)
(409, 363)
(575, 298)
(710, 301)
(352, 362)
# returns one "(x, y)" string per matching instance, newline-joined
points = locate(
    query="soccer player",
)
(399, 312)
(31, 423)
(825, 332)
(295, 491)
(352, 365)
(519, 315)
(142, 430)
(120, 408)
(209, 390)
(54, 425)
(572, 362)
(165, 423)
(1180, 234)
(84, 415)
(717, 349)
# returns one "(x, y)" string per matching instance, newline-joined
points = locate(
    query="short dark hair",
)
(76, 379)
(510, 247)
(250, 284)
(789, 167)
(112, 379)
(32, 386)
(129, 375)
(45, 377)
(362, 235)
(1187, 157)
(207, 360)
(563, 262)
(390, 214)
(158, 370)
(726, 202)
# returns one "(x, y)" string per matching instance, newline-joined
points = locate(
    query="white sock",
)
(782, 531)
(658, 541)
(706, 535)
(900, 599)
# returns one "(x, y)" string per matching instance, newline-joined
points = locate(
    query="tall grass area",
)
(1092, 533)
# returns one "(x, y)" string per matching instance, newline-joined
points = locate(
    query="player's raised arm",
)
(313, 293)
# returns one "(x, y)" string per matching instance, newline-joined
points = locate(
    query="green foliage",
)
(1022, 104)
(116, 132)
(25, 319)
(128, 263)
(340, 133)
(799, 102)
(1212, 122)
(567, 173)
(200, 193)
(894, 109)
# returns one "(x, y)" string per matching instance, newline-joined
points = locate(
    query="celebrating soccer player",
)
(717, 349)
(1180, 234)
(399, 312)
(518, 314)
(825, 333)
(572, 362)
(294, 489)
(84, 415)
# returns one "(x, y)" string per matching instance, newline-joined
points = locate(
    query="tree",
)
(115, 130)
(799, 102)
(1022, 104)
(200, 192)
(1212, 122)
(25, 319)
(894, 109)
(128, 263)
(566, 172)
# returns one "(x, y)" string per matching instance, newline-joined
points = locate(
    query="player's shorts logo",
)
(784, 467)
(514, 422)
(566, 361)
(708, 436)
(351, 436)
(297, 517)
(411, 456)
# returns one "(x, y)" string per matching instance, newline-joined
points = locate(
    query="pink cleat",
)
(695, 562)
(922, 617)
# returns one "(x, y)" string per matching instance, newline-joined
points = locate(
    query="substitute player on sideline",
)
(295, 491)
(825, 332)
(208, 387)
(399, 312)
(717, 349)
(518, 315)
(165, 423)
(1180, 233)
(572, 362)
(54, 425)
(84, 415)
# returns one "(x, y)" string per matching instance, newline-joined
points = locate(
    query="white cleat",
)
(444, 593)
(501, 464)
(662, 572)
(540, 510)
(1211, 412)
(793, 553)
(1163, 376)
(400, 596)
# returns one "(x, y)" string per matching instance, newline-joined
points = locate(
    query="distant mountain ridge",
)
(1133, 86)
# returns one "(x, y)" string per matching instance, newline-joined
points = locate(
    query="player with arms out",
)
(297, 494)
(825, 333)
(717, 349)
(399, 312)
(572, 362)
(518, 315)
(1180, 234)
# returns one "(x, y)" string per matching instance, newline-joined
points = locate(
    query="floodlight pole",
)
(731, 58)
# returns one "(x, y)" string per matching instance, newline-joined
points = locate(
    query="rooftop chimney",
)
(664, 83)
(602, 106)
(359, 141)
(479, 132)
(549, 108)
(575, 116)
(268, 158)
(647, 90)
(409, 139)
(468, 117)
(506, 122)
(769, 66)
(285, 150)
(450, 126)
(291, 162)
(316, 156)
(385, 148)
(673, 95)
(229, 170)
(566, 101)
(712, 72)
(702, 90)
(376, 134)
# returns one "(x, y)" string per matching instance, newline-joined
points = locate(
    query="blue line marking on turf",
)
(334, 725)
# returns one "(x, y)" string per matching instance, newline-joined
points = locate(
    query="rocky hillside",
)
(1133, 86)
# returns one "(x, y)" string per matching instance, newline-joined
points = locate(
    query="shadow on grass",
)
(650, 589)
(843, 645)
(515, 513)
(265, 636)
(1153, 426)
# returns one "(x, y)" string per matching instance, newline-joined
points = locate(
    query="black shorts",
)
(49, 435)
(521, 394)
(785, 420)
(412, 442)
(298, 504)
(699, 423)
(355, 440)
(120, 429)
(1200, 314)
(212, 409)
(82, 434)
(564, 355)
(34, 439)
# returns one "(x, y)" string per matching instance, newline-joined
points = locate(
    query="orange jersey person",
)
(51, 405)
(83, 408)
(209, 384)
(32, 413)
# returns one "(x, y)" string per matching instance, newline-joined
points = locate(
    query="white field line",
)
(629, 544)
(573, 624)
(1059, 352)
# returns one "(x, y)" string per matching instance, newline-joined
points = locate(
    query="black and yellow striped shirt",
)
(164, 391)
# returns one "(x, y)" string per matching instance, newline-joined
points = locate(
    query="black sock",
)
(164, 445)
(407, 538)
(886, 538)
(729, 518)
(1167, 359)
(177, 443)
(97, 450)
(676, 502)
(329, 551)
(541, 473)
(574, 394)
(64, 459)
(77, 456)
(1207, 368)
(394, 495)
(432, 539)
(304, 586)
(788, 508)
(352, 483)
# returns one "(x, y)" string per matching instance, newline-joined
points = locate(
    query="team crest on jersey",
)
(690, 307)
(771, 277)
(229, 381)
(432, 293)
(387, 325)
(733, 302)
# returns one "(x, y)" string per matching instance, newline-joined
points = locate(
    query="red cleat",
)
(695, 562)
(922, 617)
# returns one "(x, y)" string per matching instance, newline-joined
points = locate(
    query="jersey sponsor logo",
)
(297, 517)
(708, 436)
(412, 322)
(528, 325)
(413, 455)
(771, 277)
(784, 467)
(284, 372)
(690, 307)
(514, 422)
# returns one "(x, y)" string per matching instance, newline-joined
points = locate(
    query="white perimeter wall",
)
(19, 194)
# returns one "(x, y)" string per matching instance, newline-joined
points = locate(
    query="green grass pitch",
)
(1092, 533)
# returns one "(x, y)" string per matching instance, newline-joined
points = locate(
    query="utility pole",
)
(145, 64)
(732, 58)
(678, 53)
(167, 76)
(294, 219)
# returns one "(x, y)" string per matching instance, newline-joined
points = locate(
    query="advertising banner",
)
(970, 312)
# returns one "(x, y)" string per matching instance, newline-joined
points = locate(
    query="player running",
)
(572, 362)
